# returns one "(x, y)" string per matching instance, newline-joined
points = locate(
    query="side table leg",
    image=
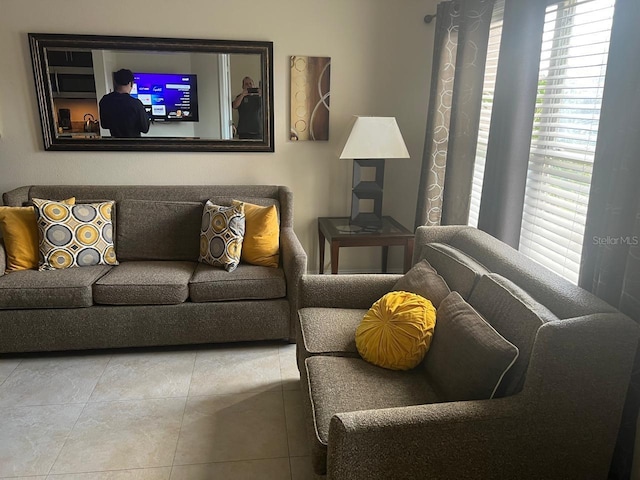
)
(408, 254)
(321, 240)
(385, 258)
(335, 248)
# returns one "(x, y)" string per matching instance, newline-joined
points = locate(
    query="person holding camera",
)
(249, 106)
(123, 115)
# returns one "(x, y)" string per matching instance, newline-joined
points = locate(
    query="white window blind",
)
(570, 85)
(491, 67)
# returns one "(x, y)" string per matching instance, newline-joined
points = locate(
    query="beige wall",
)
(380, 52)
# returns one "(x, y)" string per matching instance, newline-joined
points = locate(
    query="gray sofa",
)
(557, 409)
(159, 294)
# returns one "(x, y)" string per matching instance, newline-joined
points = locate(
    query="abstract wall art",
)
(310, 95)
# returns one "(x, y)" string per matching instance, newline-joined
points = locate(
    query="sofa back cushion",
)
(559, 295)
(516, 316)
(158, 230)
(458, 269)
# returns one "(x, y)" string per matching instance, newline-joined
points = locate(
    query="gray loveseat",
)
(557, 409)
(159, 294)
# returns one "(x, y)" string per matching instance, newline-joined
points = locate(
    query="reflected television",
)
(167, 97)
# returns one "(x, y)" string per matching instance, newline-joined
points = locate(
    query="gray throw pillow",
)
(423, 280)
(468, 357)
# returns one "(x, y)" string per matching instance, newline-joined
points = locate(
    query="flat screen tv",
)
(167, 97)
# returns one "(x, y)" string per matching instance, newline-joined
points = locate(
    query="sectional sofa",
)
(554, 414)
(158, 294)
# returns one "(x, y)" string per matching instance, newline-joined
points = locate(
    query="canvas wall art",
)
(310, 95)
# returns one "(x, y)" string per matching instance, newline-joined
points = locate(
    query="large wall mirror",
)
(187, 87)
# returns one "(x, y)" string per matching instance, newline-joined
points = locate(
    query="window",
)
(570, 86)
(491, 68)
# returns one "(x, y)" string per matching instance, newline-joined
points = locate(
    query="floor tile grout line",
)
(107, 470)
(284, 408)
(184, 410)
(77, 419)
(12, 371)
(250, 392)
(135, 399)
(7, 407)
(66, 439)
(229, 461)
(193, 370)
(99, 378)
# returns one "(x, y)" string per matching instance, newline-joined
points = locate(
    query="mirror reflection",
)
(185, 94)
(211, 96)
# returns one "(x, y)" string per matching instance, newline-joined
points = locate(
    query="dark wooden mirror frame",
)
(39, 42)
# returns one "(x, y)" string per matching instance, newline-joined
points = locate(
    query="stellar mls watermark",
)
(630, 240)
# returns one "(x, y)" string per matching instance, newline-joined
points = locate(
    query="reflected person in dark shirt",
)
(123, 115)
(249, 106)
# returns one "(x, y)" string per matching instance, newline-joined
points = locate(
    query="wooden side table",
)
(340, 233)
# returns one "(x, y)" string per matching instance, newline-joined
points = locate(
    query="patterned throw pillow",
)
(221, 235)
(74, 235)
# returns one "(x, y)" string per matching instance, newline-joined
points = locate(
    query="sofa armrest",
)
(3, 257)
(294, 263)
(437, 441)
(345, 291)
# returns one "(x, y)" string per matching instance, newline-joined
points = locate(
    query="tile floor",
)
(230, 411)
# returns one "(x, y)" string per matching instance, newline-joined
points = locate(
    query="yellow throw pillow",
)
(397, 330)
(20, 233)
(261, 245)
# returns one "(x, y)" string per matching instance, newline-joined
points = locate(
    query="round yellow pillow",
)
(397, 330)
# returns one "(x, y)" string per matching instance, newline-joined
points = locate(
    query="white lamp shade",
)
(375, 137)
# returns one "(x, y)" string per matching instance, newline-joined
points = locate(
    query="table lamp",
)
(371, 141)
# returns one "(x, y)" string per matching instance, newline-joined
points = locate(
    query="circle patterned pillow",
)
(74, 235)
(221, 235)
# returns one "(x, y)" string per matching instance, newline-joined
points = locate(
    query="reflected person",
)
(123, 115)
(249, 106)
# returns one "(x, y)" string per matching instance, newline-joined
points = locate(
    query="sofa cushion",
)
(423, 280)
(516, 316)
(261, 243)
(66, 288)
(145, 283)
(247, 282)
(396, 332)
(221, 234)
(327, 331)
(158, 230)
(468, 357)
(341, 384)
(78, 235)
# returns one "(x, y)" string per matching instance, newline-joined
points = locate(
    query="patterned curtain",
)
(434, 158)
(611, 248)
(460, 48)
